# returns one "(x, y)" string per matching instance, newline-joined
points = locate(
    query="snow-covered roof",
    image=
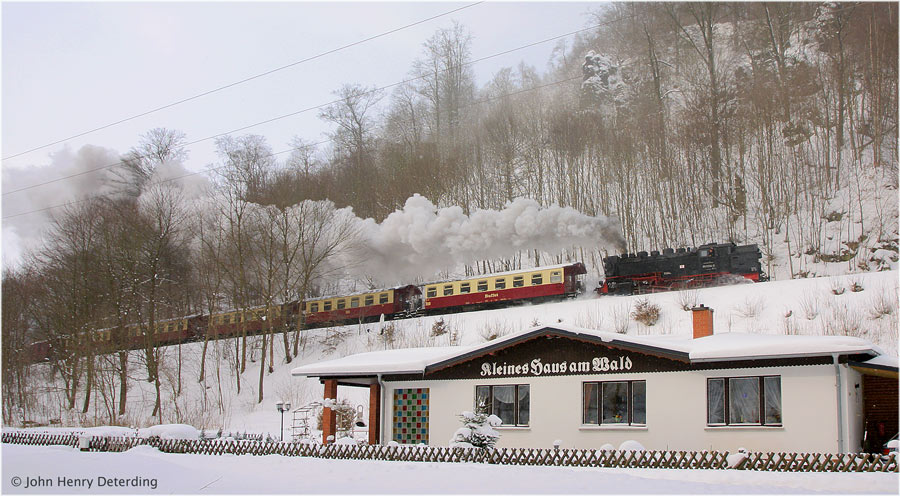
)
(402, 361)
(725, 346)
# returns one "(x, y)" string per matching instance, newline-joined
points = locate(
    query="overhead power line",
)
(322, 105)
(242, 81)
(211, 169)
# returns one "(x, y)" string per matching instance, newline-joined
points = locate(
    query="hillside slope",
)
(802, 306)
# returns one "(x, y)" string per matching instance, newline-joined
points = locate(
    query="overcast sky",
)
(71, 67)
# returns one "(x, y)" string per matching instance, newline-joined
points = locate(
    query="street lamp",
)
(282, 407)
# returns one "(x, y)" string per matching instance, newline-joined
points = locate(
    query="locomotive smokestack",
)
(703, 321)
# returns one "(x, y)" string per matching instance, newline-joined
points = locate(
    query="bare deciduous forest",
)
(767, 123)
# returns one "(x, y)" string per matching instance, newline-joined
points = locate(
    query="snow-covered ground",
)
(143, 466)
(800, 306)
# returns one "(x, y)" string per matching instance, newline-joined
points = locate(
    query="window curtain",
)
(505, 404)
(715, 401)
(483, 399)
(638, 402)
(524, 404)
(743, 400)
(772, 394)
(615, 402)
(591, 395)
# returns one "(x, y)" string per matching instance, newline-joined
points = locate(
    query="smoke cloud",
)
(421, 240)
(24, 232)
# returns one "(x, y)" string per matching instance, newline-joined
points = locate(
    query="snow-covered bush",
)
(688, 299)
(477, 431)
(631, 445)
(882, 304)
(490, 331)
(645, 312)
(170, 431)
(439, 328)
(736, 460)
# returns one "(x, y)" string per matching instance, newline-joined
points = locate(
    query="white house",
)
(589, 388)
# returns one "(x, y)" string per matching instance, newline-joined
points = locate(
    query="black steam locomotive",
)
(707, 265)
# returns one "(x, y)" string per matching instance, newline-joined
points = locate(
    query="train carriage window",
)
(465, 287)
(500, 283)
(518, 281)
(370, 300)
(354, 302)
(482, 286)
(556, 276)
(382, 298)
(341, 304)
(226, 319)
(326, 306)
(313, 307)
(448, 290)
(431, 292)
(537, 279)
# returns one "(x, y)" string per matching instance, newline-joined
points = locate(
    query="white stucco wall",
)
(676, 412)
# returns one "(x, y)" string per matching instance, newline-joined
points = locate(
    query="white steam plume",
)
(23, 232)
(421, 240)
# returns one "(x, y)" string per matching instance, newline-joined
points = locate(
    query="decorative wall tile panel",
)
(410, 419)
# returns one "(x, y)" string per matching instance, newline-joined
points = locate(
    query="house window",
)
(537, 279)
(370, 300)
(499, 283)
(518, 281)
(482, 286)
(555, 277)
(448, 290)
(615, 403)
(382, 298)
(354, 302)
(431, 292)
(743, 401)
(511, 403)
(326, 306)
(465, 288)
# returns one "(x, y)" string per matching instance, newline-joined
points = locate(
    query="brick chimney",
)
(703, 321)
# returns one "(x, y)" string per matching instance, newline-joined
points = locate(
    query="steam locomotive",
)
(707, 265)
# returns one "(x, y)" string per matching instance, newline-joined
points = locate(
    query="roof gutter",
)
(764, 357)
(840, 402)
(380, 427)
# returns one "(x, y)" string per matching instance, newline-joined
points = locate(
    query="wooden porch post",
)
(374, 413)
(329, 419)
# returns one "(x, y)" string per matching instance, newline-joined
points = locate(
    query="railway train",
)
(707, 265)
(486, 291)
(625, 274)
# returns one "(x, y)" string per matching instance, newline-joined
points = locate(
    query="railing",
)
(782, 462)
